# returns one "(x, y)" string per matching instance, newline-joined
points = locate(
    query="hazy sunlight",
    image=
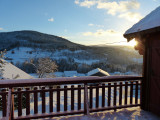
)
(132, 43)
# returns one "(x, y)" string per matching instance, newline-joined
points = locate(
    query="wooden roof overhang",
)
(141, 37)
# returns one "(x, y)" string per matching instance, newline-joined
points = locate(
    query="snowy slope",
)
(23, 54)
(12, 72)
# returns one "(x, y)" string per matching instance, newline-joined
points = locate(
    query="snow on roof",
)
(92, 72)
(12, 72)
(151, 21)
(70, 73)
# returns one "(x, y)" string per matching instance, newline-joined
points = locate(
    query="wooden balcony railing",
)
(42, 98)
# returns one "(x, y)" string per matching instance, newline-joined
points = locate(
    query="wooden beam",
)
(69, 80)
(10, 105)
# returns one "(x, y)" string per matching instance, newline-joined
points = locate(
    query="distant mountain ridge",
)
(24, 45)
(34, 39)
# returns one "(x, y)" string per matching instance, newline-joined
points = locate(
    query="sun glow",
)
(132, 43)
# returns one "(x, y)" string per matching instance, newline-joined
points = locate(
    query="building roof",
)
(70, 73)
(12, 72)
(149, 24)
(97, 70)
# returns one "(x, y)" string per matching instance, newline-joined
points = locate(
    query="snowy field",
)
(76, 74)
(22, 54)
(134, 113)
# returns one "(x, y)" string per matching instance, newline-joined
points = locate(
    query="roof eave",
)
(130, 36)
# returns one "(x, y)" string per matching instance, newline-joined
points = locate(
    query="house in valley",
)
(98, 72)
(9, 71)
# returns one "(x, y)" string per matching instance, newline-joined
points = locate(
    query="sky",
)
(88, 22)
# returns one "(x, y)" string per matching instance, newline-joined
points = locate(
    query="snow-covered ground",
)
(23, 54)
(76, 74)
(63, 74)
(134, 113)
(138, 60)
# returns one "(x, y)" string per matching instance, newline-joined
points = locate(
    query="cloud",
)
(102, 36)
(86, 3)
(1, 28)
(101, 32)
(91, 25)
(118, 7)
(51, 19)
(131, 16)
(114, 8)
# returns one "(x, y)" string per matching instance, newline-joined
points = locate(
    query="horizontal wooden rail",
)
(92, 94)
(65, 80)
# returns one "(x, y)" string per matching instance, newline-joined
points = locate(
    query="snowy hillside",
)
(25, 45)
(23, 54)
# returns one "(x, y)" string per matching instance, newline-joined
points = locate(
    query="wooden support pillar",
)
(10, 105)
(146, 77)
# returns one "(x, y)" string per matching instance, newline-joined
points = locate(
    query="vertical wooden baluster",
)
(97, 96)
(35, 100)
(79, 97)
(136, 93)
(65, 98)
(109, 94)
(120, 94)
(140, 91)
(103, 95)
(131, 93)
(27, 101)
(43, 100)
(58, 99)
(50, 99)
(115, 94)
(72, 97)
(126, 92)
(12, 113)
(19, 102)
(91, 97)
(4, 102)
(86, 105)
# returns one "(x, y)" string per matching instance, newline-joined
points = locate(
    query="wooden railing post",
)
(86, 104)
(10, 105)
(89, 91)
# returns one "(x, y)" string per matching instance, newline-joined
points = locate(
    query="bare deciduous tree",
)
(45, 66)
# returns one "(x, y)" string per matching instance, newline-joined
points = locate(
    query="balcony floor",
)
(134, 113)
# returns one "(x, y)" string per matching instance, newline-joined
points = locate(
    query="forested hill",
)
(26, 38)
(24, 45)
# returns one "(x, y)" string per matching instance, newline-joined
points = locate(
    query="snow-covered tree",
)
(44, 66)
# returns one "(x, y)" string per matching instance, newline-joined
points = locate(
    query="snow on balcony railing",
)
(39, 98)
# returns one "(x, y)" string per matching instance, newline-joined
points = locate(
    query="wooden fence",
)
(27, 99)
